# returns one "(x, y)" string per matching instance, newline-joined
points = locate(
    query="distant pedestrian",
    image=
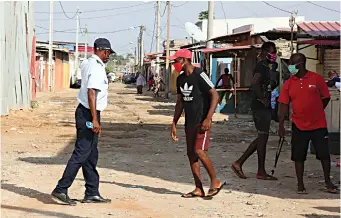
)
(157, 85)
(199, 99)
(92, 99)
(334, 76)
(308, 94)
(226, 80)
(262, 86)
(150, 82)
(140, 82)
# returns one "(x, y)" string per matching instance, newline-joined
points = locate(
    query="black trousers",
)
(85, 155)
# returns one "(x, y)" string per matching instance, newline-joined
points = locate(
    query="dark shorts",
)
(300, 142)
(262, 120)
(197, 139)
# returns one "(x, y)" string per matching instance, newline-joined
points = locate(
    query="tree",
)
(204, 15)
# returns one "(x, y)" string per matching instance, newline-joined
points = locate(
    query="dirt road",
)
(141, 169)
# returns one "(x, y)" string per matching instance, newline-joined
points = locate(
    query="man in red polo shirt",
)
(309, 96)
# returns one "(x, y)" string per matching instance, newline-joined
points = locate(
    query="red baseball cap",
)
(181, 53)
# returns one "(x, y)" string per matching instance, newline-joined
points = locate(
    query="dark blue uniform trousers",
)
(85, 155)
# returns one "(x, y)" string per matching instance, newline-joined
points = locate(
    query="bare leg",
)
(261, 152)
(299, 167)
(237, 166)
(215, 183)
(195, 167)
(326, 172)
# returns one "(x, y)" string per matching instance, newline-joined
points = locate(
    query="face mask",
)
(292, 69)
(272, 57)
(178, 66)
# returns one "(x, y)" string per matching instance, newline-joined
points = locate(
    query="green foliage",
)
(204, 15)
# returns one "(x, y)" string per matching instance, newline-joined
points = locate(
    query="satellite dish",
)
(194, 31)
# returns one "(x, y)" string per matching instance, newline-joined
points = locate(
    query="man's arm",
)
(256, 85)
(216, 85)
(214, 102)
(179, 107)
(324, 92)
(284, 101)
(283, 111)
(92, 103)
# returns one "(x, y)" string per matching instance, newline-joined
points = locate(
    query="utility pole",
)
(141, 48)
(86, 43)
(210, 22)
(292, 24)
(50, 46)
(138, 53)
(167, 70)
(76, 52)
(135, 61)
(158, 37)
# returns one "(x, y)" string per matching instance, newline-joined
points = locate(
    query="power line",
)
(152, 42)
(57, 31)
(96, 10)
(115, 31)
(323, 7)
(277, 7)
(86, 18)
(71, 18)
(164, 11)
(222, 7)
(175, 6)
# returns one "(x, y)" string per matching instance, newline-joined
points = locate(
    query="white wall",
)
(223, 27)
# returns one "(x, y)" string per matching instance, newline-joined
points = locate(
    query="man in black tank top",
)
(263, 82)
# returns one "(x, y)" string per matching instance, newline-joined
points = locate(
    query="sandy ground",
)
(141, 169)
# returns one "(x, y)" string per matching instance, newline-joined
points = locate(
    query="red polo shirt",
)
(305, 95)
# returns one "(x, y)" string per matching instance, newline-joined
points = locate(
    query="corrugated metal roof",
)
(213, 50)
(320, 42)
(325, 29)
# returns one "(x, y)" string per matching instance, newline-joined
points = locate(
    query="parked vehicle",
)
(128, 79)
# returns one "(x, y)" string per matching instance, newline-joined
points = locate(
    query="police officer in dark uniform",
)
(92, 99)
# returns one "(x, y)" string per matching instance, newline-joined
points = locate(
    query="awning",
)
(243, 47)
(319, 42)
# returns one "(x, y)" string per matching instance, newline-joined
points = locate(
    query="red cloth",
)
(226, 82)
(306, 94)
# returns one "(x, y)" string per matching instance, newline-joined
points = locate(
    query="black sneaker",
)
(62, 198)
(95, 199)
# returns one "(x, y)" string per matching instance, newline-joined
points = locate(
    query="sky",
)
(113, 20)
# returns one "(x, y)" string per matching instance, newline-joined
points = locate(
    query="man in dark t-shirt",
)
(264, 81)
(199, 99)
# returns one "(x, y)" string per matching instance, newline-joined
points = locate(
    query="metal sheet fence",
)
(17, 31)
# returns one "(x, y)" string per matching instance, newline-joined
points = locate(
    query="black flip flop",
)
(192, 195)
(239, 172)
(302, 192)
(215, 190)
(267, 177)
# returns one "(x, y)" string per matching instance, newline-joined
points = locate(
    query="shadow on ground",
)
(132, 148)
(39, 212)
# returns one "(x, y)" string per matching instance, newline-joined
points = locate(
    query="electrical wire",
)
(87, 18)
(71, 18)
(329, 9)
(222, 7)
(96, 10)
(57, 31)
(175, 6)
(152, 42)
(276, 7)
(115, 31)
(164, 11)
